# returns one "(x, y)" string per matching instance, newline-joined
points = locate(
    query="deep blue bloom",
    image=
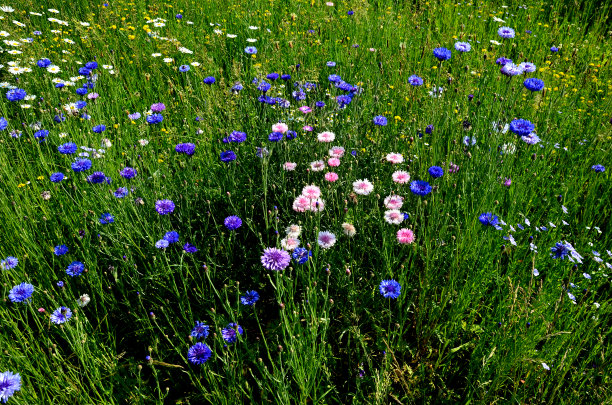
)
(420, 187)
(343, 100)
(189, 248)
(80, 105)
(488, 219)
(344, 86)
(228, 156)
(200, 330)
(250, 50)
(299, 95)
(3, 123)
(320, 104)
(128, 173)
(286, 77)
(232, 222)
(121, 192)
(554, 49)
(264, 86)
(521, 127)
(60, 284)
(84, 71)
(171, 237)
(435, 171)
(16, 94)
(81, 91)
(43, 63)
(209, 80)
(56, 177)
(415, 80)
(301, 255)
(559, 251)
(350, 12)
(67, 148)
(429, 129)
(106, 218)
(155, 118)
(96, 178)
(272, 76)
(91, 65)
(598, 168)
(199, 353)
(275, 136)
(503, 61)
(98, 129)
(291, 134)
(334, 78)
(186, 148)
(59, 118)
(178, 16)
(164, 207)
(390, 289)
(249, 298)
(75, 269)
(184, 68)
(162, 244)
(80, 165)
(380, 120)
(61, 315)
(230, 333)
(442, 53)
(237, 136)
(20, 293)
(237, 87)
(533, 84)
(60, 250)
(41, 135)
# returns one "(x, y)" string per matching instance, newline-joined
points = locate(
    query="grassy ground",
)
(484, 315)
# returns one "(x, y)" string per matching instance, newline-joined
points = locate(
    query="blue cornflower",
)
(84, 71)
(250, 50)
(200, 330)
(68, 148)
(320, 104)
(598, 168)
(334, 78)
(415, 80)
(237, 136)
(275, 136)
(249, 298)
(343, 100)
(463, 46)
(91, 65)
(154, 119)
(521, 127)
(98, 129)
(232, 222)
(162, 244)
(420, 187)
(75, 269)
(16, 94)
(533, 84)
(299, 95)
(435, 171)
(291, 134)
(442, 53)
(467, 141)
(506, 32)
(488, 219)
(429, 129)
(554, 49)
(331, 63)
(171, 237)
(390, 288)
(128, 173)
(20, 293)
(228, 156)
(121, 192)
(264, 86)
(350, 12)
(184, 68)
(9, 263)
(106, 218)
(60, 250)
(285, 77)
(559, 251)
(41, 135)
(301, 255)
(81, 91)
(96, 178)
(61, 315)
(272, 76)
(199, 353)
(209, 80)
(344, 86)
(189, 248)
(230, 333)
(9, 384)
(164, 207)
(380, 120)
(80, 165)
(3, 123)
(186, 148)
(237, 88)
(503, 61)
(56, 177)
(43, 63)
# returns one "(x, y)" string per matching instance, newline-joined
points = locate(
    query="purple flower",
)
(158, 107)
(164, 207)
(227, 156)
(510, 69)
(128, 173)
(189, 248)
(232, 222)
(415, 80)
(275, 259)
(442, 54)
(134, 116)
(230, 333)
(506, 32)
(521, 127)
(380, 120)
(199, 353)
(186, 148)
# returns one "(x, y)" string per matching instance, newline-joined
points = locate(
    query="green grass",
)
(472, 322)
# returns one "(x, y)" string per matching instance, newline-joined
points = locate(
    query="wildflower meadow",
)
(305, 202)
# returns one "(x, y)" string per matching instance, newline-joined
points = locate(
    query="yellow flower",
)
(40, 178)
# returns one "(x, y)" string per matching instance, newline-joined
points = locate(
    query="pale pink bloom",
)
(326, 239)
(394, 217)
(329, 4)
(301, 204)
(317, 205)
(452, 168)
(289, 166)
(401, 177)
(317, 165)
(280, 127)
(331, 176)
(290, 243)
(293, 231)
(349, 229)
(394, 202)
(333, 162)
(326, 136)
(395, 158)
(311, 191)
(363, 187)
(405, 236)
(336, 151)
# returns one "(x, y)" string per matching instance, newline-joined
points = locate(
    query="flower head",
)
(390, 289)
(435, 171)
(415, 80)
(9, 263)
(463, 46)
(231, 332)
(275, 259)
(533, 84)
(442, 53)
(380, 120)
(75, 269)
(186, 148)
(301, 255)
(598, 168)
(363, 187)
(506, 32)
(405, 236)
(249, 297)
(21, 293)
(199, 353)
(326, 239)
(488, 219)
(521, 127)
(164, 207)
(420, 187)
(61, 315)
(9, 384)
(232, 222)
(200, 330)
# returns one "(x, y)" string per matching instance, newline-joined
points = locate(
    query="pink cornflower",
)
(93, 96)
(405, 236)
(289, 166)
(394, 202)
(508, 182)
(301, 204)
(326, 136)
(308, 128)
(331, 177)
(305, 109)
(290, 243)
(452, 168)
(326, 239)
(336, 152)
(401, 177)
(395, 158)
(394, 217)
(280, 127)
(333, 162)
(311, 192)
(317, 165)
(363, 187)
